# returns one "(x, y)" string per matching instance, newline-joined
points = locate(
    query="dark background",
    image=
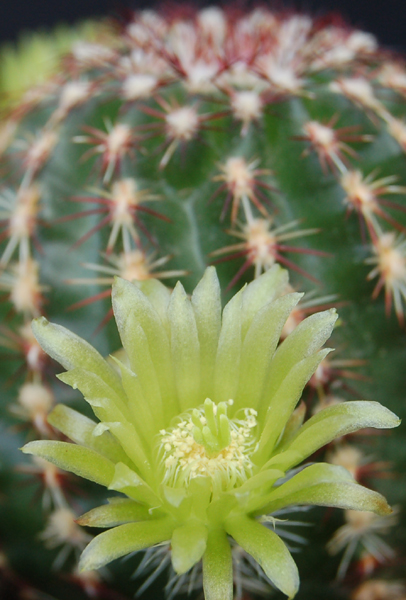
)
(385, 18)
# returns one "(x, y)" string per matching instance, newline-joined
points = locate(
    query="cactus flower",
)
(197, 426)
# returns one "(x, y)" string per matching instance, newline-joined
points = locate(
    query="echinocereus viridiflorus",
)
(198, 429)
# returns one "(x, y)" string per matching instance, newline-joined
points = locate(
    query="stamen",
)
(207, 443)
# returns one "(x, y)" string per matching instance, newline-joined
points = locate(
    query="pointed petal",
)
(141, 415)
(227, 369)
(80, 429)
(247, 493)
(143, 366)
(206, 303)
(174, 495)
(106, 404)
(133, 311)
(309, 475)
(200, 494)
(132, 445)
(268, 550)
(118, 512)
(260, 292)
(258, 349)
(122, 540)
(188, 544)
(304, 341)
(79, 460)
(218, 567)
(71, 351)
(128, 299)
(325, 485)
(185, 349)
(127, 481)
(330, 423)
(293, 425)
(159, 296)
(283, 403)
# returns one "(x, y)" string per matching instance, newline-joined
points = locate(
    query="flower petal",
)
(119, 511)
(200, 494)
(106, 404)
(79, 460)
(80, 429)
(227, 370)
(159, 295)
(218, 567)
(188, 544)
(250, 490)
(268, 550)
(309, 475)
(325, 485)
(185, 349)
(122, 540)
(260, 292)
(206, 303)
(139, 408)
(304, 341)
(145, 341)
(293, 425)
(143, 366)
(175, 496)
(330, 423)
(283, 402)
(130, 441)
(128, 482)
(258, 348)
(72, 351)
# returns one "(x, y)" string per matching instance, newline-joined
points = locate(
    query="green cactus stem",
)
(178, 141)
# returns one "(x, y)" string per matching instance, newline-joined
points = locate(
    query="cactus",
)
(174, 142)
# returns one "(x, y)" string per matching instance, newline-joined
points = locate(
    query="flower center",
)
(208, 443)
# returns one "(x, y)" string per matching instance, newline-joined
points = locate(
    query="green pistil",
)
(213, 429)
(207, 443)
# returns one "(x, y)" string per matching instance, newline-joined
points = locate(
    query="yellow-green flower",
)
(197, 426)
